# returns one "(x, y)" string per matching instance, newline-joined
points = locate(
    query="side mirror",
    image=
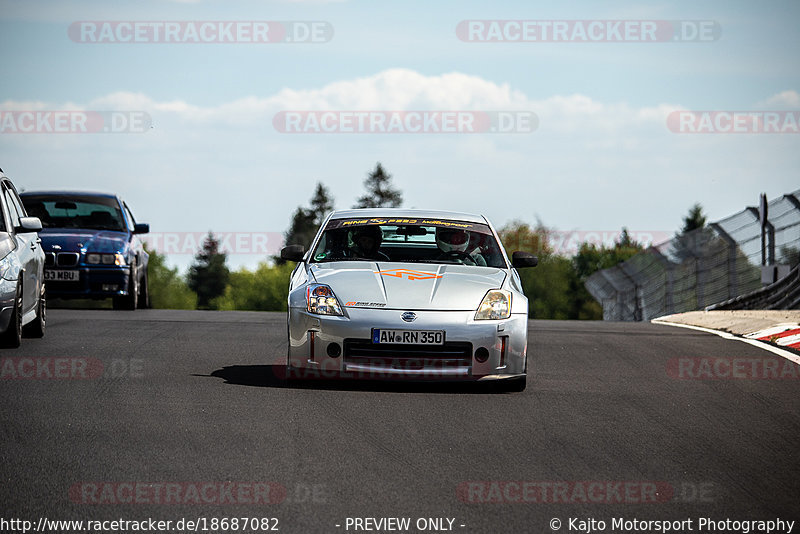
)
(293, 253)
(29, 224)
(141, 228)
(521, 259)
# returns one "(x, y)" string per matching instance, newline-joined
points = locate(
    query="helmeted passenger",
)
(367, 242)
(454, 242)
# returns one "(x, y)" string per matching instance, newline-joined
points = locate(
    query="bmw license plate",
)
(408, 337)
(61, 276)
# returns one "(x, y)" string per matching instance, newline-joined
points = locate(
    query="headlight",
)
(496, 305)
(321, 300)
(5, 268)
(106, 259)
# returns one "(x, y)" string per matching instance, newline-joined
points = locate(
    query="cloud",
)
(390, 90)
(784, 100)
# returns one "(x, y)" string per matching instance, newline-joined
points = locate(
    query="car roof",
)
(69, 193)
(407, 213)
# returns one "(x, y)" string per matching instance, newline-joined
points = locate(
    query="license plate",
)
(62, 276)
(408, 337)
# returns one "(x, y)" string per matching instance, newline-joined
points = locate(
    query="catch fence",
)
(704, 267)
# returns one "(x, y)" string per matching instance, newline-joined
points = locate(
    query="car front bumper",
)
(323, 346)
(95, 282)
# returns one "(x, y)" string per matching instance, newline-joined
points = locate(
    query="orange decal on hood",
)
(408, 273)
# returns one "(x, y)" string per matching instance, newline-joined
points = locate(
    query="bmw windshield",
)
(72, 211)
(409, 240)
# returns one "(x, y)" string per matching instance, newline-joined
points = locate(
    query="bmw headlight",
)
(321, 300)
(495, 305)
(94, 258)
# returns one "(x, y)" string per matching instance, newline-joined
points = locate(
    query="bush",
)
(265, 289)
(168, 289)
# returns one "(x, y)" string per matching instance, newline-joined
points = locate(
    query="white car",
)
(407, 294)
(23, 304)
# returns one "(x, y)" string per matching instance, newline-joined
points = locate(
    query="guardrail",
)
(781, 295)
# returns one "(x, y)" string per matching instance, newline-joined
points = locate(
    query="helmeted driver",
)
(453, 242)
(366, 242)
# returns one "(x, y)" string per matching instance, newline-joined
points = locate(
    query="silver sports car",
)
(407, 294)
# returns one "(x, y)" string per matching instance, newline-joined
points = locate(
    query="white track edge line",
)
(726, 335)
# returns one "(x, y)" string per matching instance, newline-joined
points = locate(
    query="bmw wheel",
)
(129, 301)
(144, 293)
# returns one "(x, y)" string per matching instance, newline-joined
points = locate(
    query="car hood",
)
(408, 286)
(90, 240)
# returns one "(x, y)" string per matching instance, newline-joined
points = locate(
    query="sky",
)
(590, 144)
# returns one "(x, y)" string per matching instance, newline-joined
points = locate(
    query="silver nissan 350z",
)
(407, 294)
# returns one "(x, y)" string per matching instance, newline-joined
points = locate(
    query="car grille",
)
(61, 259)
(450, 358)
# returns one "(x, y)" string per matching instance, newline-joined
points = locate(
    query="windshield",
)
(409, 240)
(93, 213)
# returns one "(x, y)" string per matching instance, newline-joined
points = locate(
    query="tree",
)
(306, 221)
(589, 259)
(167, 288)
(302, 229)
(208, 275)
(518, 235)
(546, 285)
(694, 238)
(626, 241)
(789, 255)
(380, 193)
(321, 203)
(694, 220)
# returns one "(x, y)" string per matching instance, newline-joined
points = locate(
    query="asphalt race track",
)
(118, 409)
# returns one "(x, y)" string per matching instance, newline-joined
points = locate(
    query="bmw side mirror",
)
(29, 224)
(293, 253)
(141, 228)
(521, 259)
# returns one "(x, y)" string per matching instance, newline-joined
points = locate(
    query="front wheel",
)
(144, 293)
(12, 337)
(129, 301)
(36, 327)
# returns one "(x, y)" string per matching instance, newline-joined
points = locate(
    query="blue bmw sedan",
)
(92, 247)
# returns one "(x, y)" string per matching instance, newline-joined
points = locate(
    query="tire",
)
(144, 293)
(36, 327)
(12, 337)
(129, 301)
(514, 385)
